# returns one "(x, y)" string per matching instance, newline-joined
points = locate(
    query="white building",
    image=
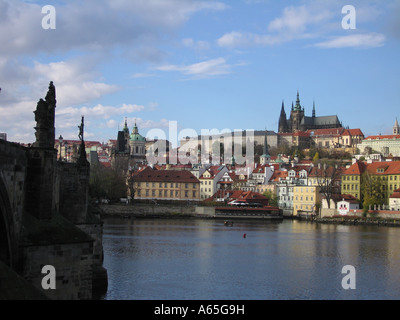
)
(394, 201)
(385, 144)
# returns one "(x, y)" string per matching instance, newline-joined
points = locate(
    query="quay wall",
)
(150, 211)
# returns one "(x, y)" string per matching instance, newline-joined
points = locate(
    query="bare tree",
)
(328, 179)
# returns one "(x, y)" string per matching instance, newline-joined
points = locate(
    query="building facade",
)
(305, 199)
(166, 185)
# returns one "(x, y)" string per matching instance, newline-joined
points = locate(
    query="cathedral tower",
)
(296, 115)
(283, 127)
(396, 128)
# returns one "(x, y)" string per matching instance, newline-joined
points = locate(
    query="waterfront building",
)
(209, 180)
(387, 171)
(394, 200)
(305, 199)
(351, 179)
(166, 185)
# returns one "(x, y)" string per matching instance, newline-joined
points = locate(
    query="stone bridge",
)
(45, 219)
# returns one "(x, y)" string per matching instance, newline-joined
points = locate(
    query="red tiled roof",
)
(389, 167)
(357, 168)
(279, 174)
(151, 175)
(329, 131)
(301, 134)
(383, 137)
(355, 132)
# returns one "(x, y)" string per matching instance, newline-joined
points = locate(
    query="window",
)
(153, 193)
(186, 194)
(186, 185)
(171, 194)
(166, 193)
(194, 194)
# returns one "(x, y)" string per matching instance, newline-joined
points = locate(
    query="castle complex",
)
(299, 122)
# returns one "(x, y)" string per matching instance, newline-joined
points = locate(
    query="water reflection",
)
(203, 259)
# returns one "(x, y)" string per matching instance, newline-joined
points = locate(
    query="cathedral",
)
(299, 122)
(130, 148)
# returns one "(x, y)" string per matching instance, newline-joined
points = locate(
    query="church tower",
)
(265, 158)
(283, 126)
(297, 115)
(396, 128)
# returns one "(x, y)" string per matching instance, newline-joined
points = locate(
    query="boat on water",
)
(228, 223)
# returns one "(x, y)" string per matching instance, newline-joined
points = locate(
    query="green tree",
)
(272, 198)
(316, 157)
(372, 192)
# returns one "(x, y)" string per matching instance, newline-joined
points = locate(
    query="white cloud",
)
(95, 25)
(209, 68)
(370, 40)
(296, 19)
(246, 39)
(292, 24)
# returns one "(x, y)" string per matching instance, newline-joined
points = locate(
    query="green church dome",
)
(135, 136)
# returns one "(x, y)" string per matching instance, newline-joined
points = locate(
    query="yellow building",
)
(388, 172)
(167, 185)
(305, 199)
(351, 179)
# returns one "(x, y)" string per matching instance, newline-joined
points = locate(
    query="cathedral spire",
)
(298, 105)
(313, 111)
(282, 120)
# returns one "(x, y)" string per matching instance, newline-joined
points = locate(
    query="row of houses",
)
(298, 186)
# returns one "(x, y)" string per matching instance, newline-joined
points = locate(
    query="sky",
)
(198, 64)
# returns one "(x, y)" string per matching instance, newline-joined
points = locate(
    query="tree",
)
(372, 190)
(272, 198)
(106, 183)
(316, 157)
(327, 179)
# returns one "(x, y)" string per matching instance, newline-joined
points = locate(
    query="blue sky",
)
(204, 64)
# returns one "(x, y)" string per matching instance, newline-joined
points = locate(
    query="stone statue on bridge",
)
(81, 129)
(45, 120)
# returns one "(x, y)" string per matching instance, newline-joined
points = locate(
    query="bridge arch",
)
(6, 227)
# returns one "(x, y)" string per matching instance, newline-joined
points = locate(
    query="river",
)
(201, 259)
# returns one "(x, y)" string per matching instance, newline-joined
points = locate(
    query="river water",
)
(195, 259)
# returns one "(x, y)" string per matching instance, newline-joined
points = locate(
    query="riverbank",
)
(355, 220)
(190, 211)
(174, 211)
(151, 211)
